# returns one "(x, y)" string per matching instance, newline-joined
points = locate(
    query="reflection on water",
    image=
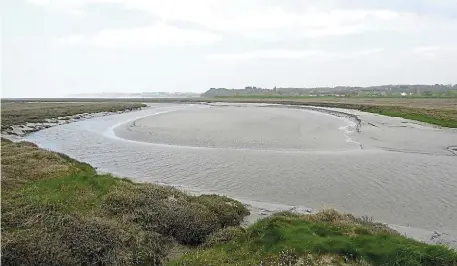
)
(403, 188)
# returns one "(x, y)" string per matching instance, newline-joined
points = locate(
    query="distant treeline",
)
(437, 90)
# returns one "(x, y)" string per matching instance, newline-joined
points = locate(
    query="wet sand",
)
(242, 127)
(402, 135)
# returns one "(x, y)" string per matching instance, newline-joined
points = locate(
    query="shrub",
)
(229, 212)
(189, 223)
(77, 241)
(34, 247)
(171, 212)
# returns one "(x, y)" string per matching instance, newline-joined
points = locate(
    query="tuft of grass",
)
(326, 238)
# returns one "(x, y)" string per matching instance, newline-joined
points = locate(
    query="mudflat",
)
(242, 127)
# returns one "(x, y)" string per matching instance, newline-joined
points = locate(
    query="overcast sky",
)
(61, 47)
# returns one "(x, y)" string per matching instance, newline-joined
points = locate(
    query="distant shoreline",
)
(436, 111)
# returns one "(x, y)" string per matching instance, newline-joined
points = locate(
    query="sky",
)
(55, 48)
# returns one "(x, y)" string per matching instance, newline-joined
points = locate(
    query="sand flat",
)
(242, 127)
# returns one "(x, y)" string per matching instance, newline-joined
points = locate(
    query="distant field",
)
(15, 113)
(431, 103)
(437, 111)
(442, 112)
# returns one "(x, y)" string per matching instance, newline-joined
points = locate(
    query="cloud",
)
(69, 40)
(157, 34)
(40, 2)
(264, 42)
(276, 22)
(289, 54)
(257, 19)
(63, 6)
(435, 51)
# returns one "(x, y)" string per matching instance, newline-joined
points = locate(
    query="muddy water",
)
(395, 170)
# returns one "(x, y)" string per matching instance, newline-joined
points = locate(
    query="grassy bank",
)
(58, 211)
(17, 113)
(326, 238)
(440, 117)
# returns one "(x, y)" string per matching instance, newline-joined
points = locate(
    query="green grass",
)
(79, 192)
(273, 96)
(328, 238)
(434, 117)
(277, 96)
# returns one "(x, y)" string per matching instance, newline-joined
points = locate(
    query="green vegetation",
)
(329, 96)
(444, 118)
(17, 113)
(326, 238)
(58, 211)
(391, 90)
